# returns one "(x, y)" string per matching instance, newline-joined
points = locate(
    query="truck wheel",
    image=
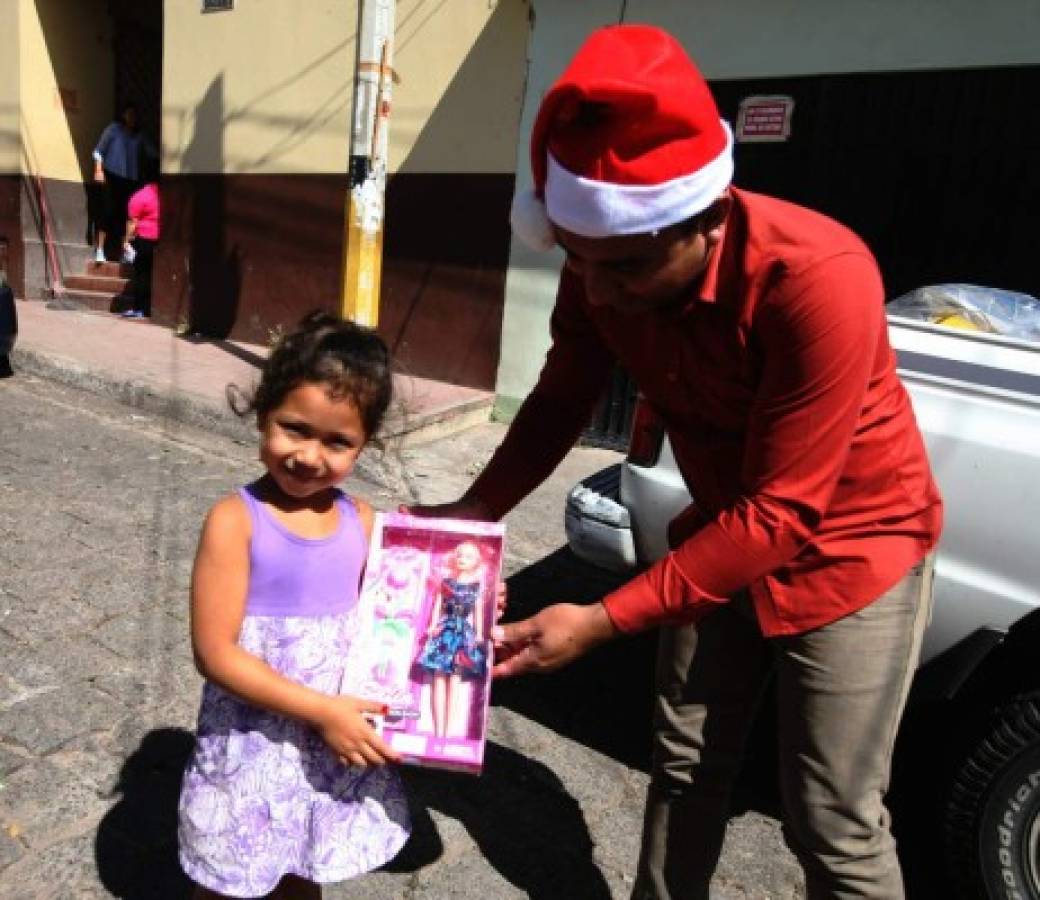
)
(993, 819)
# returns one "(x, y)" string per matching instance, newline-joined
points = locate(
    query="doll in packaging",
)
(425, 615)
(455, 642)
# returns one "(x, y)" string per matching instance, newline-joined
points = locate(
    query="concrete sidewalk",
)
(186, 377)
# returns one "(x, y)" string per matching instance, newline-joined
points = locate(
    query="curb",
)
(178, 406)
(403, 426)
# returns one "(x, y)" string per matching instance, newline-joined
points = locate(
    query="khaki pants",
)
(840, 694)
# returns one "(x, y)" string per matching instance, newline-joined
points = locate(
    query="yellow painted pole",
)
(362, 268)
(364, 214)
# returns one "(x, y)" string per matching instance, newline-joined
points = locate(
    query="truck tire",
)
(993, 818)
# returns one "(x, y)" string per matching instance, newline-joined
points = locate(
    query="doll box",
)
(423, 645)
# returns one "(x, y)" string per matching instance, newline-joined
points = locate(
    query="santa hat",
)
(628, 140)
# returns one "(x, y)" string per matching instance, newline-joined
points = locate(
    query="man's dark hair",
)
(705, 220)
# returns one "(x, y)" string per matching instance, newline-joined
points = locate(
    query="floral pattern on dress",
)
(263, 795)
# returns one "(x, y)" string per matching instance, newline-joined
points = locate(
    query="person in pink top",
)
(142, 234)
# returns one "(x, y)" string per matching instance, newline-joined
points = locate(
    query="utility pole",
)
(363, 234)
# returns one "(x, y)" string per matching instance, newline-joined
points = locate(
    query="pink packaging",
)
(423, 646)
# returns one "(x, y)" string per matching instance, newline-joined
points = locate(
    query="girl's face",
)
(467, 557)
(310, 441)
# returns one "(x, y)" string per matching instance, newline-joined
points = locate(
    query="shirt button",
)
(673, 376)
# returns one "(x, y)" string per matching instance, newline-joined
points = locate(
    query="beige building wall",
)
(65, 74)
(532, 277)
(10, 139)
(461, 68)
(267, 88)
(264, 88)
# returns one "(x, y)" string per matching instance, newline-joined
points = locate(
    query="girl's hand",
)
(343, 726)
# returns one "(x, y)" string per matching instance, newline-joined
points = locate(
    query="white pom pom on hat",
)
(628, 140)
(531, 222)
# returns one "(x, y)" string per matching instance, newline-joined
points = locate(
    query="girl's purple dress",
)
(263, 796)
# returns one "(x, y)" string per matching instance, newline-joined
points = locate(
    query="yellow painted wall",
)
(268, 86)
(10, 140)
(461, 66)
(63, 52)
(265, 87)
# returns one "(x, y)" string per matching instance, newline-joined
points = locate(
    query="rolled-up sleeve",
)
(103, 143)
(818, 333)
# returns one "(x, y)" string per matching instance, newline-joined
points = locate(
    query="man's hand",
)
(467, 508)
(556, 636)
(501, 599)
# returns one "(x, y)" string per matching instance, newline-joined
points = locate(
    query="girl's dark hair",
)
(351, 359)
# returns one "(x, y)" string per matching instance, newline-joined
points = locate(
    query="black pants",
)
(142, 280)
(117, 195)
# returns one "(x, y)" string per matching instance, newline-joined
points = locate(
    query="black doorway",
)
(936, 170)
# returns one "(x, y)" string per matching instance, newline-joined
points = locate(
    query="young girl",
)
(288, 786)
(455, 645)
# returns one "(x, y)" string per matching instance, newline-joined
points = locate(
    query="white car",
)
(977, 400)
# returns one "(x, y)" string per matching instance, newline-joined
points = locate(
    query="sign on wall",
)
(764, 118)
(217, 5)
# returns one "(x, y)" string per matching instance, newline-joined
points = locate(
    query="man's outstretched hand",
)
(556, 636)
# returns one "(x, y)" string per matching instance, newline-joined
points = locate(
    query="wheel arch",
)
(1008, 669)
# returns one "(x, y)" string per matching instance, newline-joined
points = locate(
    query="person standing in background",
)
(116, 165)
(142, 233)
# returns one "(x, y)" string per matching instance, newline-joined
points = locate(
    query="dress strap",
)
(252, 502)
(349, 513)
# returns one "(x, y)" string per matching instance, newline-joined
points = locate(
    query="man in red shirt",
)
(756, 330)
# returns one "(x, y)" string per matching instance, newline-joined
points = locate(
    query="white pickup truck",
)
(977, 399)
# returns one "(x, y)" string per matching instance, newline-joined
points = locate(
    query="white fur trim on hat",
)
(529, 221)
(599, 209)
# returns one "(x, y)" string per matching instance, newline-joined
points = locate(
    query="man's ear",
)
(715, 217)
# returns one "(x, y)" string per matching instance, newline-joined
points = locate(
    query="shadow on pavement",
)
(526, 825)
(136, 843)
(605, 701)
(243, 353)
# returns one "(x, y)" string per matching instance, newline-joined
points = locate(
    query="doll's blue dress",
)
(454, 649)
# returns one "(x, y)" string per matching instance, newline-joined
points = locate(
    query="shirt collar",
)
(707, 291)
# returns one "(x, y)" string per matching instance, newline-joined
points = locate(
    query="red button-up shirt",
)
(777, 385)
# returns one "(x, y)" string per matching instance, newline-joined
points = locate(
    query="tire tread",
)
(1015, 727)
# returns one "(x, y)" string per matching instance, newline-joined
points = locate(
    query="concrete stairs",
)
(100, 287)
